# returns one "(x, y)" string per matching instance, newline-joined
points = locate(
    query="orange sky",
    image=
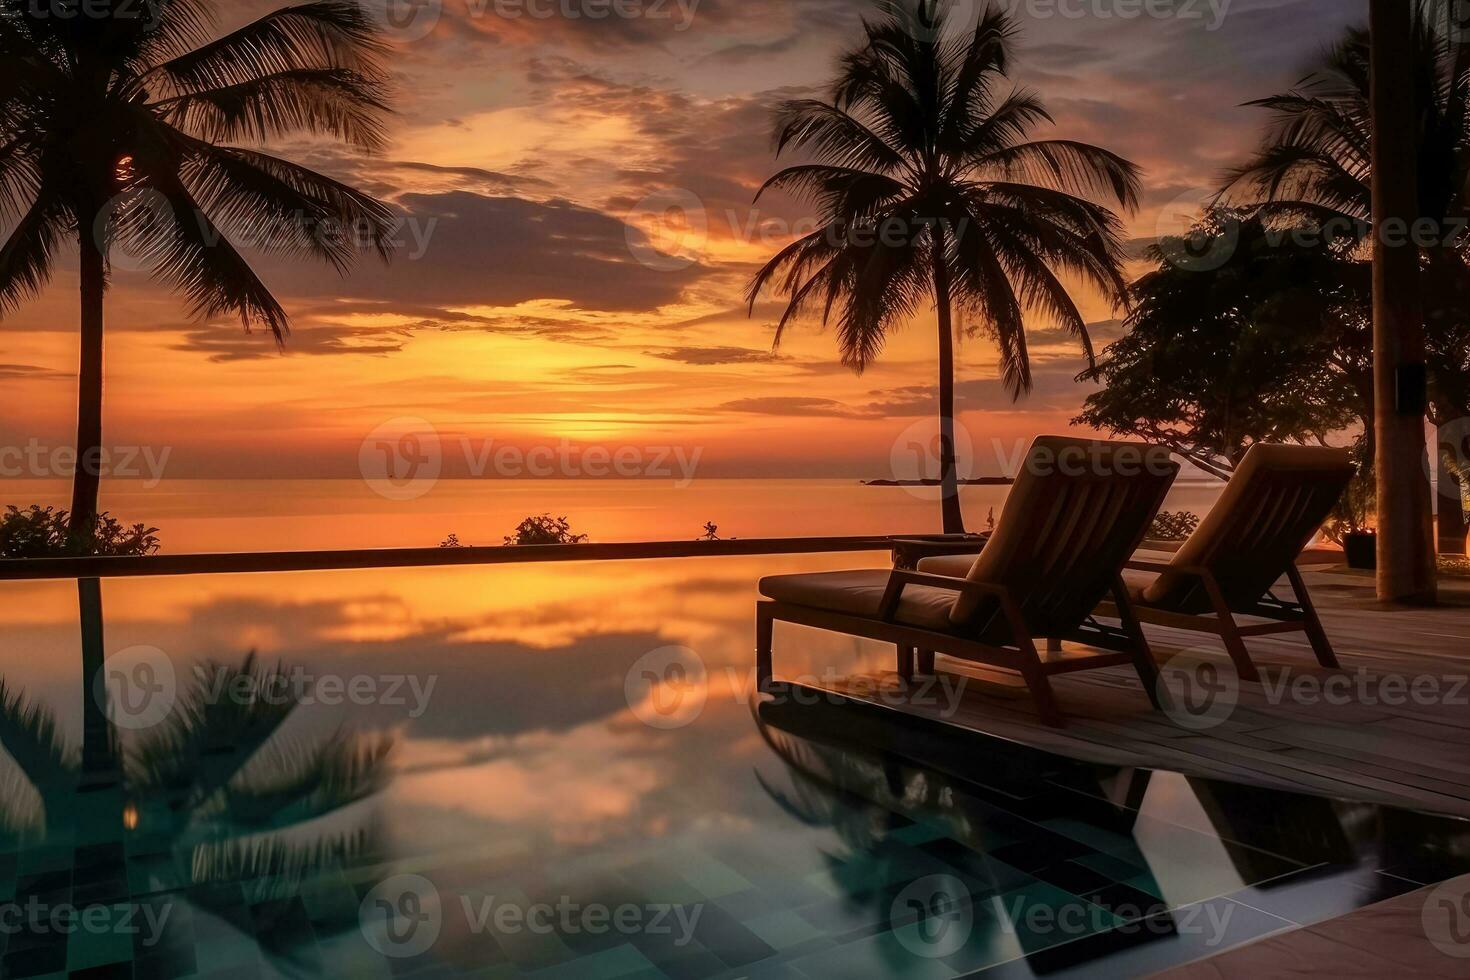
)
(531, 158)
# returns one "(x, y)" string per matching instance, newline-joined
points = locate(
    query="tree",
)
(1316, 163)
(123, 123)
(928, 188)
(1241, 334)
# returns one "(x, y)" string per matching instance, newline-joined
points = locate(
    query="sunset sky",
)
(538, 296)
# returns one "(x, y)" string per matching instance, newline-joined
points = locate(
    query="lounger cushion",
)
(1274, 503)
(955, 566)
(860, 593)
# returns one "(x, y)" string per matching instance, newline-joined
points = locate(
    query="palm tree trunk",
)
(1454, 499)
(1407, 570)
(86, 482)
(949, 487)
(99, 758)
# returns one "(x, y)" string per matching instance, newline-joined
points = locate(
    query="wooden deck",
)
(1384, 940)
(1401, 744)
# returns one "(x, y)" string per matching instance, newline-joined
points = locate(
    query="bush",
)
(545, 530)
(43, 532)
(1353, 510)
(1173, 525)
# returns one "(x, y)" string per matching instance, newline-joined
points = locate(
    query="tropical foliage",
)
(132, 125)
(929, 189)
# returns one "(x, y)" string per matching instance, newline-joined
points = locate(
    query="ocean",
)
(211, 516)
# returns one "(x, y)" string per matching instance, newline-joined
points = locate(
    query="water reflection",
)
(794, 829)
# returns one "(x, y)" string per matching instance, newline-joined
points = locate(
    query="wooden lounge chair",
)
(1078, 510)
(1270, 510)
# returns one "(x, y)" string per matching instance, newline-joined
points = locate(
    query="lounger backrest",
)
(1078, 510)
(1273, 505)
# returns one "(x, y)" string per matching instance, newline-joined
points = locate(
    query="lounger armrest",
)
(901, 578)
(1141, 565)
(1160, 567)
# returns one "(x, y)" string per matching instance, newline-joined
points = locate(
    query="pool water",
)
(562, 772)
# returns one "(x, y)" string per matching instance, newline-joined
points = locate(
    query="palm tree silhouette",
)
(119, 124)
(1315, 165)
(927, 187)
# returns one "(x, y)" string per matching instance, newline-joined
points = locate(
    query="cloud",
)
(226, 342)
(466, 249)
(30, 372)
(794, 406)
(703, 356)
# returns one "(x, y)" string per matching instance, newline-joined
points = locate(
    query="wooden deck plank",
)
(1408, 754)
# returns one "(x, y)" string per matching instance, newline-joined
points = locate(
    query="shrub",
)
(544, 530)
(43, 532)
(1353, 510)
(1173, 525)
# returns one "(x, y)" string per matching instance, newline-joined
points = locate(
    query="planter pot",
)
(1361, 550)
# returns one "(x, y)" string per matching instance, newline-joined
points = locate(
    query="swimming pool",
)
(561, 772)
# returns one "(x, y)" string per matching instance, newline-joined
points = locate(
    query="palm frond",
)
(320, 34)
(280, 206)
(337, 102)
(26, 257)
(1069, 166)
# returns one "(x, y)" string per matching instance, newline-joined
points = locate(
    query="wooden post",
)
(1406, 560)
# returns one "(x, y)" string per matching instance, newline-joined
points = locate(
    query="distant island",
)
(979, 481)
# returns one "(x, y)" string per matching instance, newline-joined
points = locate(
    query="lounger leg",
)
(1312, 623)
(765, 624)
(1053, 645)
(1230, 634)
(905, 662)
(1041, 693)
(926, 663)
(1143, 654)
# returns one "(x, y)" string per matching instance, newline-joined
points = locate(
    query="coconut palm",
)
(1315, 165)
(130, 123)
(929, 189)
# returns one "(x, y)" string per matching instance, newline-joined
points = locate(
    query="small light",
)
(130, 817)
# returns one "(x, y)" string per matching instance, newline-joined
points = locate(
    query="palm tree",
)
(125, 123)
(1315, 164)
(928, 187)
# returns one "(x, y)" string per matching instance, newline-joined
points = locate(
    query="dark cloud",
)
(227, 342)
(793, 406)
(464, 249)
(30, 372)
(716, 355)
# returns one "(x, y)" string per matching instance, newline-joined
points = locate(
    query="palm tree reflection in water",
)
(217, 805)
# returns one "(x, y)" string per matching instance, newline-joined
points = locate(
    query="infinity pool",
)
(560, 771)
